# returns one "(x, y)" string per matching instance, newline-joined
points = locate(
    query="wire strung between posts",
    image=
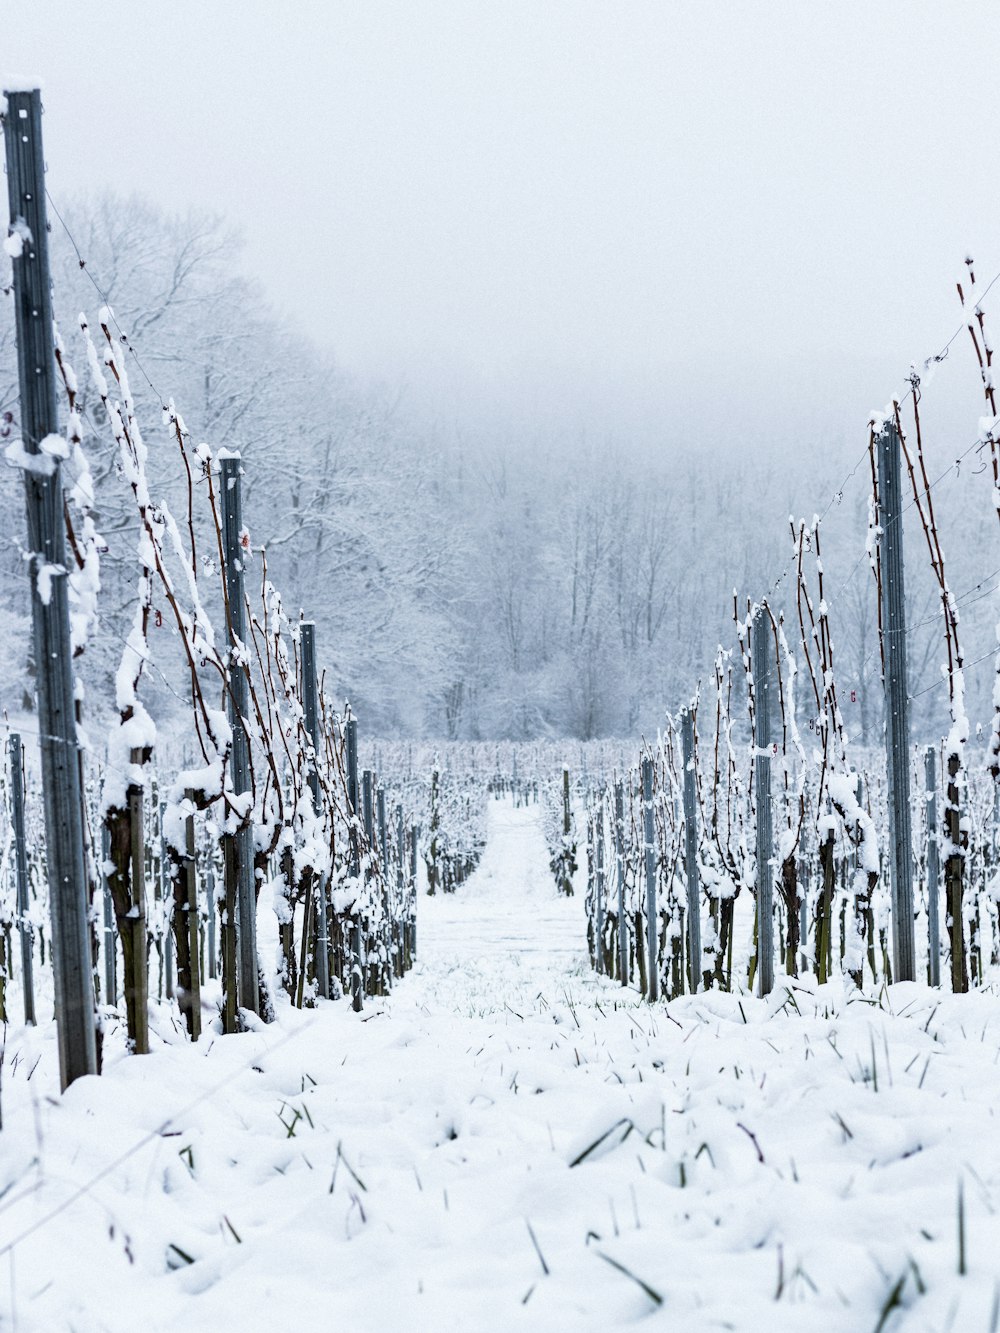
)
(966, 666)
(836, 499)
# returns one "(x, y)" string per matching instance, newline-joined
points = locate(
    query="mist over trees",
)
(470, 578)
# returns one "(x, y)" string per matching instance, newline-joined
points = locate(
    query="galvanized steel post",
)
(933, 871)
(64, 831)
(760, 666)
(691, 852)
(240, 864)
(649, 858)
(897, 719)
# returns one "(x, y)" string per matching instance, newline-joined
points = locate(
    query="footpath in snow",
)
(511, 1142)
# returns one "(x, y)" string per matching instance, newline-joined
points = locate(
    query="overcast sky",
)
(621, 200)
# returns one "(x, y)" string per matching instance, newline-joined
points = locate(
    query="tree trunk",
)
(126, 882)
(790, 894)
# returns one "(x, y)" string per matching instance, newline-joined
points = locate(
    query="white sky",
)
(613, 200)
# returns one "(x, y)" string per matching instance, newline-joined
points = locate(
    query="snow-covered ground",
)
(510, 1142)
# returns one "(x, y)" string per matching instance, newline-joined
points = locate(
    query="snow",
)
(46, 573)
(19, 236)
(509, 1141)
(55, 446)
(42, 465)
(21, 84)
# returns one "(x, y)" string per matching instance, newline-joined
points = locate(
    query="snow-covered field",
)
(510, 1142)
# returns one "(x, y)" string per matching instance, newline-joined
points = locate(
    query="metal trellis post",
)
(620, 866)
(310, 706)
(64, 831)
(241, 863)
(933, 871)
(691, 852)
(24, 927)
(652, 931)
(357, 980)
(110, 939)
(761, 666)
(897, 720)
(600, 896)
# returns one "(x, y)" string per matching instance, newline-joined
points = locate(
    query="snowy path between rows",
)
(509, 1142)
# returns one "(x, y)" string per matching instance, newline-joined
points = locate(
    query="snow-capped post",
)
(414, 844)
(897, 717)
(212, 962)
(389, 917)
(933, 870)
(401, 912)
(433, 865)
(760, 640)
(383, 828)
(310, 706)
(240, 862)
(691, 851)
(165, 914)
(41, 448)
(600, 895)
(591, 863)
(652, 931)
(110, 943)
(184, 888)
(357, 981)
(620, 868)
(132, 927)
(564, 863)
(366, 923)
(24, 928)
(367, 791)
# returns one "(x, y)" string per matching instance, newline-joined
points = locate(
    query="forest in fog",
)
(474, 573)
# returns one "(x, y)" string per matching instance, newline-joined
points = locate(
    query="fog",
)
(690, 246)
(524, 203)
